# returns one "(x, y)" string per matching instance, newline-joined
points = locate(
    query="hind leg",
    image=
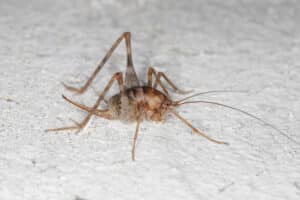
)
(94, 110)
(100, 113)
(131, 78)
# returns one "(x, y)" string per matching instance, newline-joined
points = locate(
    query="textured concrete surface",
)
(201, 45)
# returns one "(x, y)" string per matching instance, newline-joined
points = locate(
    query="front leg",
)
(158, 75)
(93, 111)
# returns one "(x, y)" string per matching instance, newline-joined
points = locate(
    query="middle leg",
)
(138, 123)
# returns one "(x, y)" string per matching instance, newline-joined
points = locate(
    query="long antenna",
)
(246, 113)
(212, 91)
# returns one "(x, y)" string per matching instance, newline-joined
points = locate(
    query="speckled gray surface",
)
(201, 45)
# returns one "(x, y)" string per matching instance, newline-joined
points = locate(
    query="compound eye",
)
(166, 104)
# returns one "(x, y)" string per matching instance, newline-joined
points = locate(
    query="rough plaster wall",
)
(201, 45)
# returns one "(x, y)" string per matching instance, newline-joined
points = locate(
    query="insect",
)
(136, 102)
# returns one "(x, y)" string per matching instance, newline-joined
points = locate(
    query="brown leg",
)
(93, 110)
(173, 86)
(196, 130)
(139, 120)
(100, 113)
(151, 71)
(131, 78)
(158, 75)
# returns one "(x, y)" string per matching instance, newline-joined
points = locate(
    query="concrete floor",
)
(252, 46)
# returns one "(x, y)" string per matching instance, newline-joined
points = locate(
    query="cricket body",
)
(136, 102)
(153, 103)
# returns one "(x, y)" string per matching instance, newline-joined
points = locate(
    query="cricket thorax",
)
(149, 102)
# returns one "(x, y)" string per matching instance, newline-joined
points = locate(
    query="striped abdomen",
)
(151, 103)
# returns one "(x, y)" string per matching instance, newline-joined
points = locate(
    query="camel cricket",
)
(136, 102)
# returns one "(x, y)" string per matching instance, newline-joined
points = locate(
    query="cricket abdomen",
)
(149, 102)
